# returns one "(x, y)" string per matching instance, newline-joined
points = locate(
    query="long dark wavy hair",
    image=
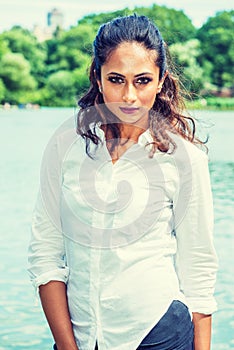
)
(167, 113)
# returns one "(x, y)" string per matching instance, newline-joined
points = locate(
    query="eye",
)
(116, 80)
(143, 80)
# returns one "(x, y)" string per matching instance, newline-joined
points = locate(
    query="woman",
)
(121, 247)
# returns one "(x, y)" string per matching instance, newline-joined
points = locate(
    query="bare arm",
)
(202, 331)
(54, 302)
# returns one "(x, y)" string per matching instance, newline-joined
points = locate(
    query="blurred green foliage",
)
(55, 72)
(217, 48)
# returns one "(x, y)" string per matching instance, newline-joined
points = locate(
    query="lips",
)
(129, 110)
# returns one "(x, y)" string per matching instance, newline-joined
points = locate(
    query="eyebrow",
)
(137, 75)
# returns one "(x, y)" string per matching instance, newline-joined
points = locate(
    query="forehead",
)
(131, 53)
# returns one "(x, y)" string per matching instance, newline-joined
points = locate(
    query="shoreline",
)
(209, 103)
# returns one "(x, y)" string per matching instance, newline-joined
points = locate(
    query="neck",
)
(129, 131)
(129, 135)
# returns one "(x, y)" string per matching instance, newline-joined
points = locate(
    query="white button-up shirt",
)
(127, 238)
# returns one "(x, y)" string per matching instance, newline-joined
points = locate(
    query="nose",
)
(129, 94)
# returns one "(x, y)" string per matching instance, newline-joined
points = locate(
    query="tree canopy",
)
(174, 25)
(217, 47)
(55, 72)
(20, 40)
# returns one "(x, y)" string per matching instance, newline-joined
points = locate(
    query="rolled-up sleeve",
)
(196, 260)
(46, 254)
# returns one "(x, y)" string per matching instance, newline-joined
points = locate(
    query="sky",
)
(28, 13)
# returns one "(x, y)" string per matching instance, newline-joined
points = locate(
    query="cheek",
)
(111, 100)
(111, 95)
(148, 98)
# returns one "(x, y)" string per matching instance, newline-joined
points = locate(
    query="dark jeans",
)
(174, 331)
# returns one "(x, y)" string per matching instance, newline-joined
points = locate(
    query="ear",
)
(98, 81)
(160, 83)
(99, 85)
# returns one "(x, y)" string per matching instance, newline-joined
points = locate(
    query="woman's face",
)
(129, 83)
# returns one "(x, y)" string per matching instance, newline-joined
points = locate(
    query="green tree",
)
(185, 55)
(96, 20)
(174, 25)
(3, 47)
(217, 48)
(2, 91)
(59, 90)
(22, 41)
(79, 38)
(15, 74)
(72, 50)
(81, 80)
(3, 50)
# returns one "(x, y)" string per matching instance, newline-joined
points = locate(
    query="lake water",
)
(23, 136)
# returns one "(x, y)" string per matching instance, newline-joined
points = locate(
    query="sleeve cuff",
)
(54, 275)
(204, 306)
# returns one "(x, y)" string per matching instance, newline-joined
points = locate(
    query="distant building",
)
(54, 20)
